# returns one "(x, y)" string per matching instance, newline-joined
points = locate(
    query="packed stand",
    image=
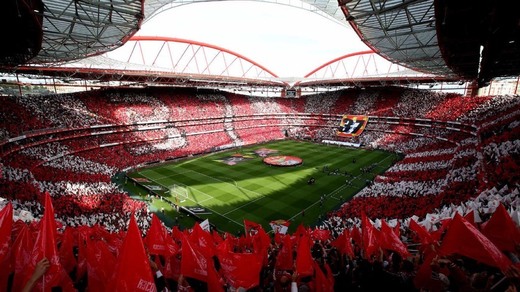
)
(451, 250)
(444, 183)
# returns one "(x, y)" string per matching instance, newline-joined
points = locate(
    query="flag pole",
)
(47, 196)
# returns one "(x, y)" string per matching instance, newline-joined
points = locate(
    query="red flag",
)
(132, 271)
(217, 239)
(437, 234)
(464, 239)
(322, 282)
(300, 231)
(320, 234)
(6, 227)
(166, 266)
(422, 279)
(171, 246)
(241, 269)
(261, 243)
(298, 234)
(174, 268)
(114, 240)
(470, 217)
(226, 245)
(82, 235)
(176, 235)
(389, 240)
(342, 243)
(397, 229)
(18, 225)
(22, 247)
(193, 262)
(329, 275)
(245, 243)
(502, 230)
(284, 258)
(304, 260)
(67, 259)
(250, 227)
(257, 237)
(370, 235)
(45, 247)
(424, 236)
(100, 265)
(202, 240)
(215, 284)
(154, 240)
(356, 236)
(157, 240)
(278, 237)
(100, 232)
(263, 240)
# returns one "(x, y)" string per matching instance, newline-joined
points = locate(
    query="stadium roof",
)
(451, 40)
(480, 40)
(472, 40)
(65, 30)
(401, 30)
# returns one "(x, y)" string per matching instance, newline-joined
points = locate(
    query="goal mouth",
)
(179, 192)
(283, 160)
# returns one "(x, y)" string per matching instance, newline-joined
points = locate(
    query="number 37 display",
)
(352, 125)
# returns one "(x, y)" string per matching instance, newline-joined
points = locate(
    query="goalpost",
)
(180, 192)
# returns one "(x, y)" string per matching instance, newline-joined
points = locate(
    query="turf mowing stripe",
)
(153, 180)
(236, 185)
(241, 206)
(237, 190)
(339, 189)
(211, 198)
(162, 176)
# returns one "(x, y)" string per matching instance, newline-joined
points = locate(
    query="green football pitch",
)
(234, 185)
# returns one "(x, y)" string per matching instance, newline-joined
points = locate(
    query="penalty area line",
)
(211, 197)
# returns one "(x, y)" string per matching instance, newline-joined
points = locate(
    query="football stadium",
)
(142, 151)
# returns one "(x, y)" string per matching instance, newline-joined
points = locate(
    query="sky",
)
(289, 41)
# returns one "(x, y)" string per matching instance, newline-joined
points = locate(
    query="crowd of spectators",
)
(334, 257)
(436, 178)
(136, 107)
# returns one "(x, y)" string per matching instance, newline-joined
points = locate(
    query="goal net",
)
(179, 192)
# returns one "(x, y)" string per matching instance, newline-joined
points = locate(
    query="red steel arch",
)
(327, 64)
(149, 60)
(169, 61)
(204, 59)
(364, 67)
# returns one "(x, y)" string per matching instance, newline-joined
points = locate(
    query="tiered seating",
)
(156, 124)
(387, 101)
(441, 175)
(73, 161)
(258, 129)
(13, 112)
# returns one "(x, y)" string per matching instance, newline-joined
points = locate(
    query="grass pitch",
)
(253, 190)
